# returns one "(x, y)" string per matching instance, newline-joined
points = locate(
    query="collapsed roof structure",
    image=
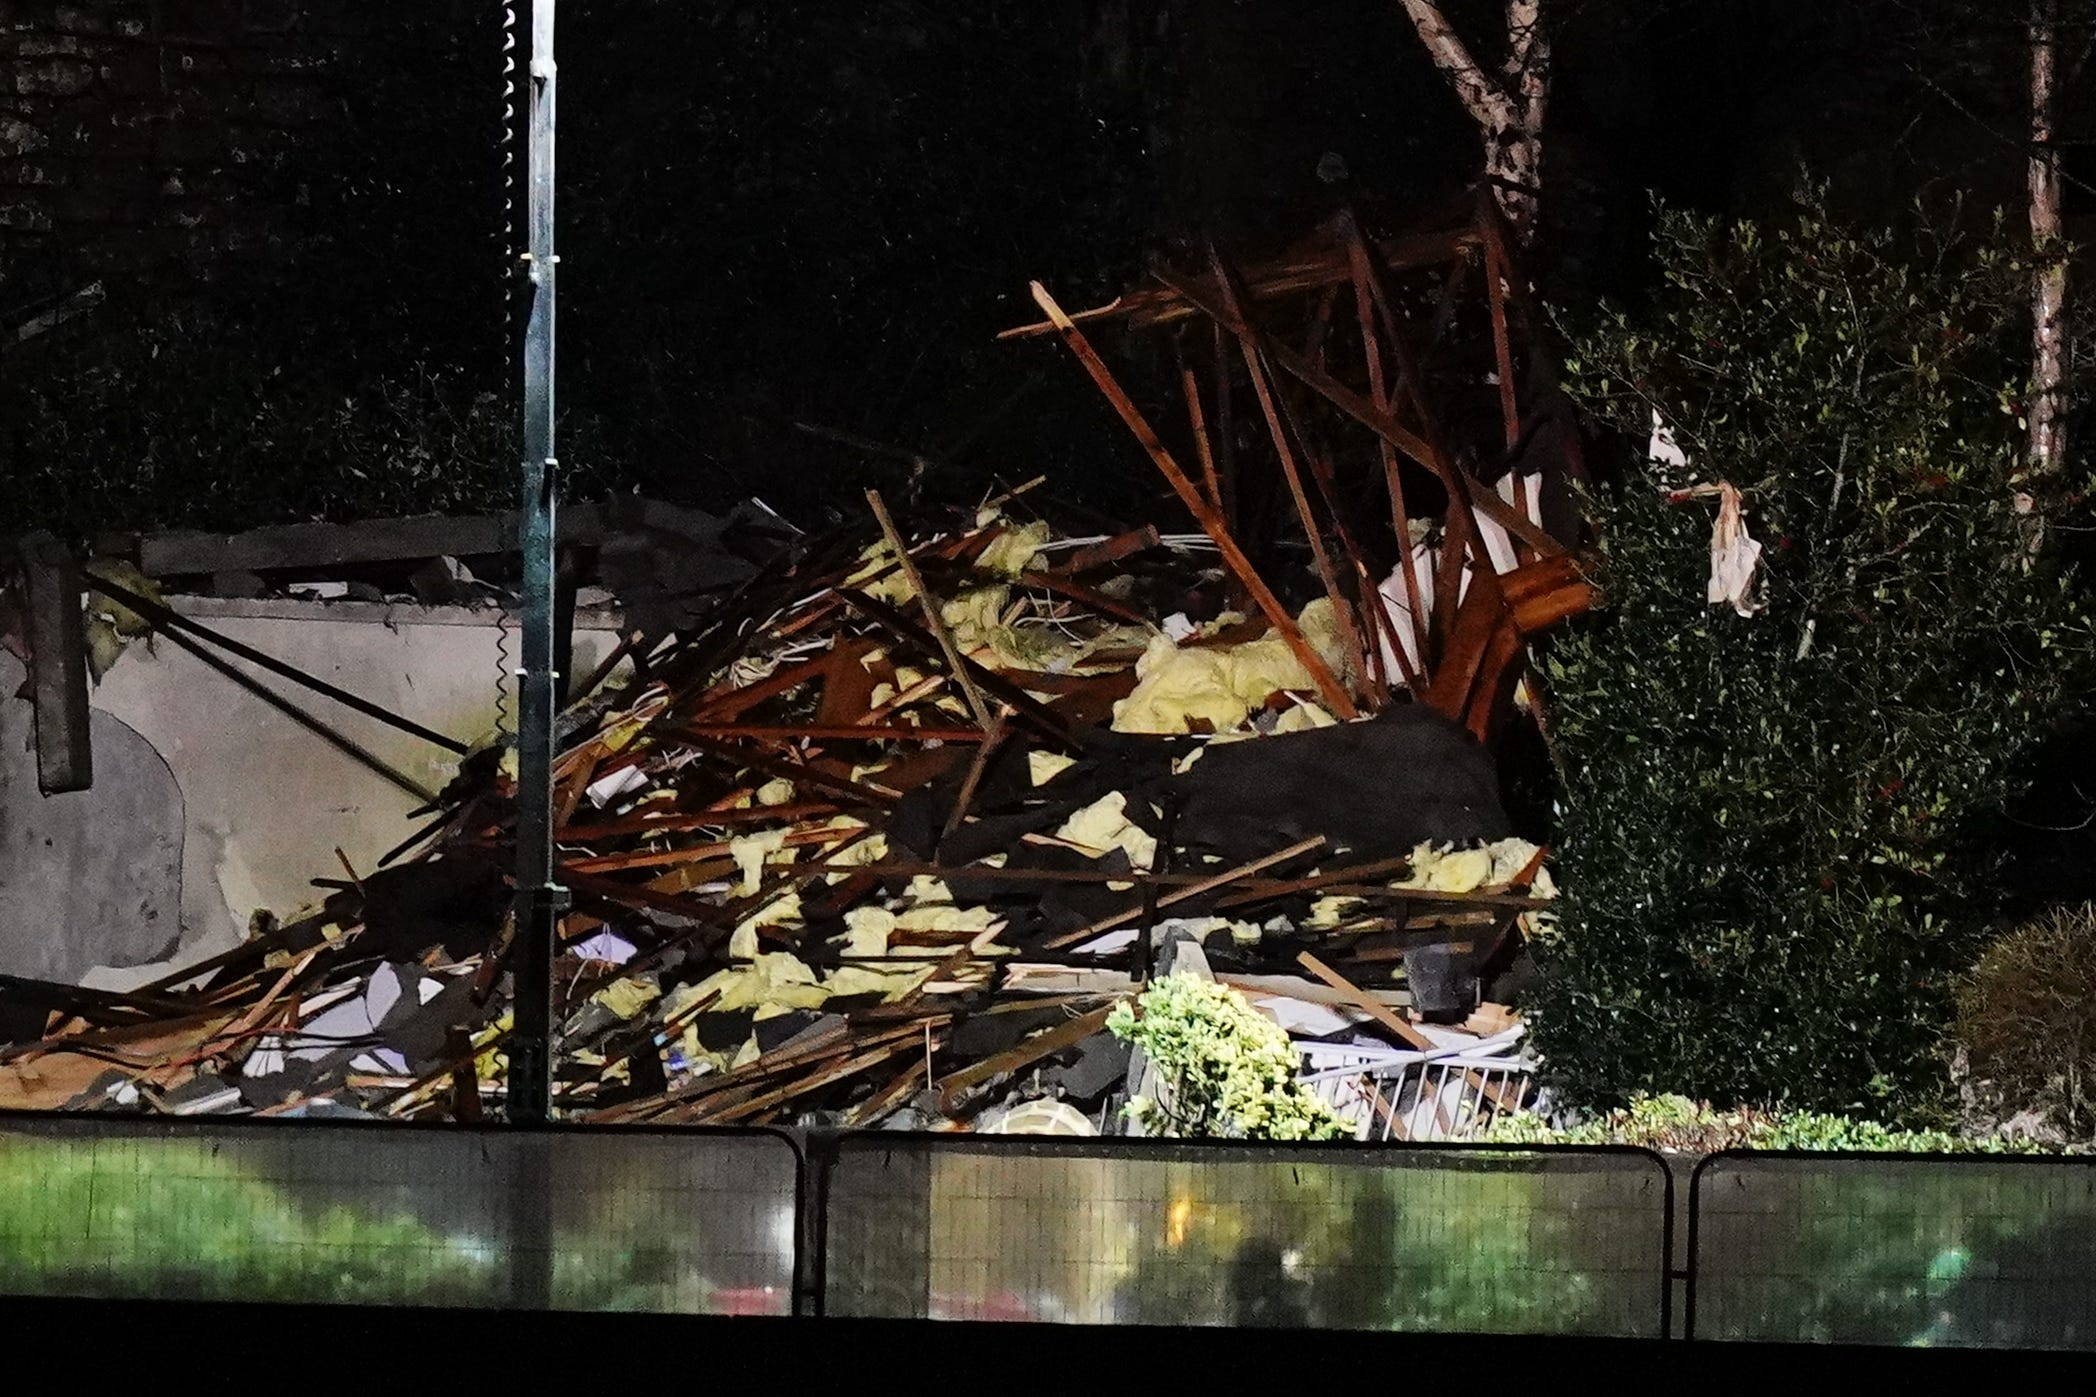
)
(879, 829)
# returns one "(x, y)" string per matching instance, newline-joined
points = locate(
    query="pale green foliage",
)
(1697, 1127)
(1232, 1069)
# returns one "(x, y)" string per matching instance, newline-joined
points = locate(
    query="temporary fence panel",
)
(1894, 1250)
(1398, 1238)
(315, 1213)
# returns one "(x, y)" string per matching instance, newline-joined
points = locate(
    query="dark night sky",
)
(820, 218)
(788, 211)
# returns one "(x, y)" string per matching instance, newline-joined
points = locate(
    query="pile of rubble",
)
(819, 870)
(880, 834)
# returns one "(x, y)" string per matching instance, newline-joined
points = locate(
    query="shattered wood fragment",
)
(1365, 1002)
(1542, 593)
(819, 732)
(800, 773)
(1204, 885)
(1211, 523)
(1077, 591)
(933, 619)
(847, 685)
(1030, 1051)
(1113, 550)
(991, 683)
(1164, 307)
(669, 823)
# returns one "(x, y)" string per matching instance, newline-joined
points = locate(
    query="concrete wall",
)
(209, 803)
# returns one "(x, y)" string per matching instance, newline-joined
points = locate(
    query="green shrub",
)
(1676, 1123)
(1231, 1070)
(2027, 1022)
(1768, 850)
(196, 419)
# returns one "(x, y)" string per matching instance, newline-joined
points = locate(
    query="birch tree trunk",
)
(2048, 406)
(1508, 106)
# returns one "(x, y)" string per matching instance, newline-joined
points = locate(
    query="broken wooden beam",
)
(1328, 685)
(57, 666)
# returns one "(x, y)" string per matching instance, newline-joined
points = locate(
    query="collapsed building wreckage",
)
(880, 835)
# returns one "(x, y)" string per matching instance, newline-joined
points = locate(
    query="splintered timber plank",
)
(836, 1042)
(1542, 593)
(1204, 513)
(1480, 496)
(990, 682)
(1342, 609)
(1113, 550)
(1502, 347)
(982, 872)
(1204, 449)
(1497, 673)
(851, 1067)
(642, 898)
(1338, 877)
(1205, 885)
(800, 773)
(992, 740)
(1379, 395)
(726, 705)
(1063, 585)
(898, 1090)
(657, 858)
(1024, 1054)
(847, 686)
(840, 732)
(1362, 1000)
(676, 822)
(1144, 309)
(1468, 639)
(940, 632)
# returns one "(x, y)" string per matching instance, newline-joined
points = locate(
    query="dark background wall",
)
(781, 215)
(141, 132)
(162, 140)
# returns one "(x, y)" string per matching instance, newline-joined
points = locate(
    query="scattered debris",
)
(809, 886)
(887, 830)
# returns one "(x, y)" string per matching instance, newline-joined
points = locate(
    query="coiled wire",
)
(505, 682)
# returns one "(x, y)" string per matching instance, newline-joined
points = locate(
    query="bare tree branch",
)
(1528, 61)
(2048, 411)
(1509, 114)
(1487, 102)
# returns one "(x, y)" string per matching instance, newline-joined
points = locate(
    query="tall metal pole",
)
(539, 898)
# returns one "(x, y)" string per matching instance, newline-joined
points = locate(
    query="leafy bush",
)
(2027, 1022)
(1676, 1123)
(1769, 842)
(1231, 1070)
(200, 419)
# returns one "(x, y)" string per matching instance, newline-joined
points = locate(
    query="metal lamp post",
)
(540, 899)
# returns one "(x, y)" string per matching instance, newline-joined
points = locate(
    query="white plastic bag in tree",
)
(1733, 555)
